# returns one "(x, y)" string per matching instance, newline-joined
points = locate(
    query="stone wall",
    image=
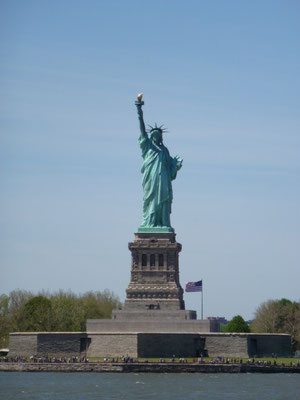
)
(150, 325)
(161, 315)
(265, 344)
(149, 344)
(227, 345)
(247, 344)
(206, 368)
(22, 344)
(113, 345)
(59, 344)
(144, 367)
(167, 345)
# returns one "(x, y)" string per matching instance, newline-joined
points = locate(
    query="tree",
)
(68, 314)
(99, 304)
(17, 301)
(237, 324)
(4, 320)
(279, 316)
(71, 311)
(23, 311)
(37, 312)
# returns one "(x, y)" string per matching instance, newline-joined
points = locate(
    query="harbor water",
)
(132, 386)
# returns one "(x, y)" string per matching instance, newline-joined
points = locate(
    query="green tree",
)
(61, 311)
(38, 314)
(99, 304)
(68, 314)
(71, 311)
(279, 316)
(17, 300)
(4, 320)
(237, 324)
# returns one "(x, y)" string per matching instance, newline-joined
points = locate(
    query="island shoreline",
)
(144, 367)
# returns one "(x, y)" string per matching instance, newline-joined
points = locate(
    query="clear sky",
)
(223, 76)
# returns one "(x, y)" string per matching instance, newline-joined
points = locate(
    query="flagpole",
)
(202, 301)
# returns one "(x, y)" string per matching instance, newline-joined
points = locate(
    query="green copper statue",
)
(158, 170)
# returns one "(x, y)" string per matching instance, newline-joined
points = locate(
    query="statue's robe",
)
(158, 170)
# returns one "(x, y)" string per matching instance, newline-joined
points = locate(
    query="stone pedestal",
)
(154, 298)
(154, 283)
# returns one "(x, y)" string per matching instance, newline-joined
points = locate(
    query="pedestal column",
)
(154, 282)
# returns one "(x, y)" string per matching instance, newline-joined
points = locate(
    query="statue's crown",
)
(157, 128)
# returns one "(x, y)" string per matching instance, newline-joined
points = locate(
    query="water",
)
(108, 386)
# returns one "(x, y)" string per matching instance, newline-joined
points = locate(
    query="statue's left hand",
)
(179, 162)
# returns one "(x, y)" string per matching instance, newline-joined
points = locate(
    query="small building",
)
(4, 352)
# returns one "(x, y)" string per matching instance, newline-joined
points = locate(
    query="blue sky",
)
(223, 76)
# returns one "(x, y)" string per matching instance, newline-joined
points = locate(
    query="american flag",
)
(193, 286)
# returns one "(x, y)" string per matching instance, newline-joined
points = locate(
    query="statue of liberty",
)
(159, 169)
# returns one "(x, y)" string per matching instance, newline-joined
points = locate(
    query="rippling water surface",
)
(88, 386)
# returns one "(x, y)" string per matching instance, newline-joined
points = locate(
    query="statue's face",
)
(156, 136)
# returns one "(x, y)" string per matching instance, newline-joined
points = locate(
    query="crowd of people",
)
(274, 363)
(126, 359)
(36, 359)
(253, 361)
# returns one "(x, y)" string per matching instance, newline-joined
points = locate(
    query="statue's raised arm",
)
(159, 170)
(139, 103)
